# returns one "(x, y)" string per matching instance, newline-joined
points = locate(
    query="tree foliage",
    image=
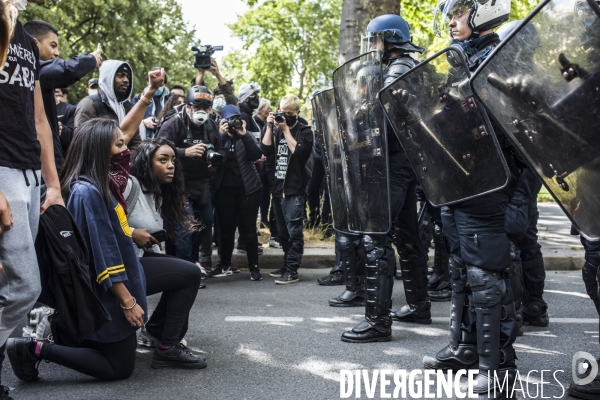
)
(290, 46)
(145, 33)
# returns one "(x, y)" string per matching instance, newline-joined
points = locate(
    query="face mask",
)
(219, 103)
(199, 117)
(159, 92)
(93, 91)
(253, 102)
(291, 120)
(119, 174)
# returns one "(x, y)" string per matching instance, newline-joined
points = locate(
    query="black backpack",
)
(66, 284)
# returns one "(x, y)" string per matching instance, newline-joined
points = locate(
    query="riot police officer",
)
(483, 324)
(391, 36)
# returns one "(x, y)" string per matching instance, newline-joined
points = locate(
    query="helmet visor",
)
(446, 11)
(372, 41)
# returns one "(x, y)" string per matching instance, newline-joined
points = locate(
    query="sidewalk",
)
(562, 251)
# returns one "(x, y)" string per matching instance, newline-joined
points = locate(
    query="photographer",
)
(291, 142)
(248, 103)
(238, 187)
(196, 138)
(225, 86)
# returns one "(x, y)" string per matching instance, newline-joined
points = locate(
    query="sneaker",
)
(255, 274)
(287, 278)
(4, 393)
(202, 271)
(234, 269)
(337, 278)
(277, 273)
(147, 340)
(38, 326)
(273, 242)
(177, 357)
(22, 360)
(220, 272)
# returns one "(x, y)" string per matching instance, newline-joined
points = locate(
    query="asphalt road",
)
(264, 341)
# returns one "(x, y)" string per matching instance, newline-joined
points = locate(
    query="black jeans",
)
(289, 212)
(178, 280)
(234, 208)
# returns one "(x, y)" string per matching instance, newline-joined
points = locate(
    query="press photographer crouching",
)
(196, 139)
(237, 186)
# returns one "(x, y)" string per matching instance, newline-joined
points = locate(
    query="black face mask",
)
(253, 102)
(291, 120)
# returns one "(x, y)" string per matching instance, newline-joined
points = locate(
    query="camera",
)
(279, 117)
(235, 124)
(203, 55)
(212, 157)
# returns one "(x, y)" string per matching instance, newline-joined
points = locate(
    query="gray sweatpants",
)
(20, 281)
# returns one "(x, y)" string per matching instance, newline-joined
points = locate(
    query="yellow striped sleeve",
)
(110, 271)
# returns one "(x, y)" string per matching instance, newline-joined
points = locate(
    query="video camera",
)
(203, 55)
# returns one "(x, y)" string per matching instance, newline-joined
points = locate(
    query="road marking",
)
(264, 319)
(582, 295)
(553, 320)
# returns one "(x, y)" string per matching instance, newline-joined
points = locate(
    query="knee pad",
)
(487, 286)
(458, 275)
(373, 249)
(345, 244)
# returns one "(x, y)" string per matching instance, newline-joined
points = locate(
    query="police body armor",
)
(444, 130)
(542, 86)
(364, 143)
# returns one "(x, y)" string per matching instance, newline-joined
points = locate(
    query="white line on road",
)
(437, 320)
(583, 295)
(264, 319)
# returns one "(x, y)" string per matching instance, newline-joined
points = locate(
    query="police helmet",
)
(483, 15)
(390, 28)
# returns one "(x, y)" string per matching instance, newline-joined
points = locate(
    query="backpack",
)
(134, 194)
(63, 260)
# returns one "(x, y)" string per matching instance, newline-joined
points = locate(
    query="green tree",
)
(145, 33)
(290, 46)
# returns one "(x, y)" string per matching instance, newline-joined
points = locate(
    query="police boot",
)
(354, 295)
(377, 325)
(461, 353)
(439, 286)
(418, 307)
(590, 279)
(488, 290)
(589, 391)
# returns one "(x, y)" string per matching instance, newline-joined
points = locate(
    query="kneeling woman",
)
(93, 180)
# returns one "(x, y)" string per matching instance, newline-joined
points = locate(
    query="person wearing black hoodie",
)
(291, 143)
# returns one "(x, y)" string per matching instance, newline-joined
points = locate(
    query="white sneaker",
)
(273, 242)
(202, 271)
(38, 326)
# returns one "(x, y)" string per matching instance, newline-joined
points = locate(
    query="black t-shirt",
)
(19, 147)
(232, 176)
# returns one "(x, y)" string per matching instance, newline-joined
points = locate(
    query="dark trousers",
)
(106, 361)
(476, 236)
(265, 200)
(313, 195)
(234, 208)
(521, 225)
(178, 281)
(289, 213)
(187, 244)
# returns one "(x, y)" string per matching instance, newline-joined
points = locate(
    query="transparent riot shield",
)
(444, 130)
(542, 85)
(364, 143)
(327, 133)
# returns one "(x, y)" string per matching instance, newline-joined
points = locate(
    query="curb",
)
(315, 258)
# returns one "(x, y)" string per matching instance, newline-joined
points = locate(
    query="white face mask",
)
(199, 117)
(92, 91)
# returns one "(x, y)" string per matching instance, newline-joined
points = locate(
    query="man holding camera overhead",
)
(196, 138)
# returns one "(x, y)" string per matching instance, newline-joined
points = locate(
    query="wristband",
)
(129, 308)
(145, 100)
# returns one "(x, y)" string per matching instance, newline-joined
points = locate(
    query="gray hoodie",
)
(108, 70)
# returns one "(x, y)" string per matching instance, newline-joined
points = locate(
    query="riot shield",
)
(327, 133)
(542, 86)
(364, 143)
(444, 131)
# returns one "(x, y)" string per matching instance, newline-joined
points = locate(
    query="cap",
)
(92, 82)
(230, 111)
